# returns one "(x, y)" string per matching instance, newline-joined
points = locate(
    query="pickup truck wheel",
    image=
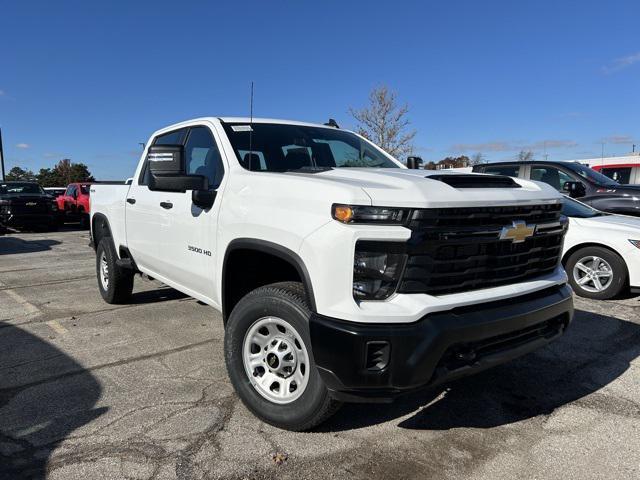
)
(115, 283)
(596, 272)
(269, 358)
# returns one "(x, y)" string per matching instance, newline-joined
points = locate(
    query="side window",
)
(202, 156)
(550, 175)
(506, 170)
(620, 174)
(171, 138)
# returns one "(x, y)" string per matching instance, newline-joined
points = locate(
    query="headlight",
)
(635, 243)
(377, 267)
(365, 214)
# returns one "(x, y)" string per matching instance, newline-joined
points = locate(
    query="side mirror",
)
(75, 195)
(414, 162)
(574, 189)
(203, 198)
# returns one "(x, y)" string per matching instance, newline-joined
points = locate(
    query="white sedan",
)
(601, 251)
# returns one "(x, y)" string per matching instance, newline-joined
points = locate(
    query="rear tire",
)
(284, 387)
(115, 283)
(596, 272)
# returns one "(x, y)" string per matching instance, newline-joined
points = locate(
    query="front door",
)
(183, 243)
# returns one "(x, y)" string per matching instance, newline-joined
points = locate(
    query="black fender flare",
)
(98, 217)
(276, 250)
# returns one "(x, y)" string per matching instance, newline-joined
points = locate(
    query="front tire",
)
(596, 272)
(269, 358)
(115, 283)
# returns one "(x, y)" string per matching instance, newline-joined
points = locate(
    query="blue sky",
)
(89, 80)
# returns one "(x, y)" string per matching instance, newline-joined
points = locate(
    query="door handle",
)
(131, 200)
(166, 205)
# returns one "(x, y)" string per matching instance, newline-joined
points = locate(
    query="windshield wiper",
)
(309, 169)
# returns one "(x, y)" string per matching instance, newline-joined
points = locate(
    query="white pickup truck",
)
(341, 275)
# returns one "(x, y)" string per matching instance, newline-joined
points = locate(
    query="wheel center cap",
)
(272, 360)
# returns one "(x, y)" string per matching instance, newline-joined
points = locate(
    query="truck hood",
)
(398, 187)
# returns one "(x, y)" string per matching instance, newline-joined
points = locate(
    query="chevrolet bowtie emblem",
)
(518, 232)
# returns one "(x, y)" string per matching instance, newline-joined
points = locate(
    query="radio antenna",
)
(251, 127)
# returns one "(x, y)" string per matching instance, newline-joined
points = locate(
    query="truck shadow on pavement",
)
(44, 396)
(596, 350)
(13, 245)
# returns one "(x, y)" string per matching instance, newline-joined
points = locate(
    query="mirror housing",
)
(177, 183)
(166, 160)
(414, 162)
(574, 189)
(203, 198)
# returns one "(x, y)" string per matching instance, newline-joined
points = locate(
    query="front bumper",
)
(377, 362)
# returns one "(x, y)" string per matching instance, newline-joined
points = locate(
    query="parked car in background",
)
(75, 204)
(628, 173)
(26, 205)
(601, 251)
(575, 180)
(55, 192)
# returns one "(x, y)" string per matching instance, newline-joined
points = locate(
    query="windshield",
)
(9, 188)
(591, 175)
(574, 208)
(281, 148)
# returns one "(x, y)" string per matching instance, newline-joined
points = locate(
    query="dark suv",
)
(575, 180)
(26, 205)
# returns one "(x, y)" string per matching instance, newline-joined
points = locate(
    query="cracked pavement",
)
(91, 391)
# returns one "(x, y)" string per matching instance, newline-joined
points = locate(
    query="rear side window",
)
(551, 176)
(506, 170)
(619, 174)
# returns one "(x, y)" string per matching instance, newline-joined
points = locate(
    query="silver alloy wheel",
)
(276, 360)
(593, 274)
(104, 271)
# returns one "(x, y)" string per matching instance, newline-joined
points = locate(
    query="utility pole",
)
(1, 155)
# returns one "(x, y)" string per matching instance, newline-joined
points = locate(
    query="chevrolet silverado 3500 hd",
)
(341, 275)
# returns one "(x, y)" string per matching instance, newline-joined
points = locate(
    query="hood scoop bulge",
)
(475, 181)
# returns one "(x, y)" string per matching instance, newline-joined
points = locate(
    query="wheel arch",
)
(100, 228)
(580, 246)
(264, 250)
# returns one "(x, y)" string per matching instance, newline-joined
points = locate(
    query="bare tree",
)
(477, 159)
(525, 155)
(385, 123)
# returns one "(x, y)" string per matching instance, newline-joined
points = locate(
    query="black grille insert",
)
(459, 249)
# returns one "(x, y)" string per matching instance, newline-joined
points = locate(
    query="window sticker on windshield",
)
(241, 128)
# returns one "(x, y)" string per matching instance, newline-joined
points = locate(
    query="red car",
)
(75, 204)
(625, 173)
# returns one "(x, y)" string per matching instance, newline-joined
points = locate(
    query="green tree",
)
(385, 123)
(17, 173)
(64, 173)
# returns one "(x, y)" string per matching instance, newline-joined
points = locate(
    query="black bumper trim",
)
(440, 347)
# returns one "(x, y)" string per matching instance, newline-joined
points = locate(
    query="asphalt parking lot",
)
(95, 391)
